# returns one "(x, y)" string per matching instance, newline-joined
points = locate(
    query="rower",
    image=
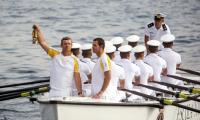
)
(158, 64)
(172, 58)
(64, 68)
(85, 72)
(117, 75)
(132, 71)
(145, 70)
(87, 54)
(101, 73)
(117, 42)
(133, 41)
(156, 29)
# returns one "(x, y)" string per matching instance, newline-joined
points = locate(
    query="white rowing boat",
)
(76, 108)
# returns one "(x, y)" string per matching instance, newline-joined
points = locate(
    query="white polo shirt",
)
(146, 72)
(157, 63)
(131, 70)
(117, 73)
(102, 65)
(172, 58)
(62, 74)
(84, 71)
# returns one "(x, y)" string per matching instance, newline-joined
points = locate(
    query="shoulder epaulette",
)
(150, 25)
(164, 27)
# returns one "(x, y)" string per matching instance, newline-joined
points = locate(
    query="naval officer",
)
(156, 29)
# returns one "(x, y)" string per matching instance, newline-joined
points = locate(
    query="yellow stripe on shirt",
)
(52, 52)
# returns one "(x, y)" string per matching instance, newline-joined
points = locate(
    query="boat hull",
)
(68, 110)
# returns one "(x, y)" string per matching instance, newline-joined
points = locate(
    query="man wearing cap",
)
(117, 74)
(87, 54)
(85, 72)
(157, 63)
(64, 73)
(156, 29)
(145, 70)
(132, 71)
(117, 42)
(172, 58)
(101, 73)
(133, 41)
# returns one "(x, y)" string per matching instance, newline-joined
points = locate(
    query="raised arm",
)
(41, 39)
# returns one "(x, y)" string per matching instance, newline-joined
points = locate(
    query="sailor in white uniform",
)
(156, 29)
(86, 54)
(117, 75)
(133, 41)
(132, 71)
(117, 42)
(85, 72)
(145, 70)
(158, 64)
(172, 58)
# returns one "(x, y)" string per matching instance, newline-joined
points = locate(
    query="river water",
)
(82, 20)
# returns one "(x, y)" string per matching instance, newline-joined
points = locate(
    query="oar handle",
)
(189, 71)
(26, 83)
(184, 79)
(25, 93)
(24, 89)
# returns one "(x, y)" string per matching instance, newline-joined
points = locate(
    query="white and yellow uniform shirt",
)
(155, 34)
(146, 72)
(102, 65)
(158, 64)
(172, 58)
(62, 74)
(131, 70)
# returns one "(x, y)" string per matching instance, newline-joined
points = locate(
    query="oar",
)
(189, 71)
(176, 94)
(25, 93)
(162, 100)
(184, 79)
(23, 89)
(26, 83)
(189, 89)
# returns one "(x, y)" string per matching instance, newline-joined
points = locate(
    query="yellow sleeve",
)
(52, 52)
(76, 64)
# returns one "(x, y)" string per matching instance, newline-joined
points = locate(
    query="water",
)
(82, 20)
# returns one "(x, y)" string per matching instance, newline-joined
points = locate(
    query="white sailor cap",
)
(108, 43)
(117, 40)
(159, 16)
(133, 38)
(87, 46)
(110, 49)
(167, 38)
(125, 48)
(76, 45)
(139, 48)
(153, 43)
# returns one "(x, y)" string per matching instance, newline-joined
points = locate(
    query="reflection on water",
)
(82, 20)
